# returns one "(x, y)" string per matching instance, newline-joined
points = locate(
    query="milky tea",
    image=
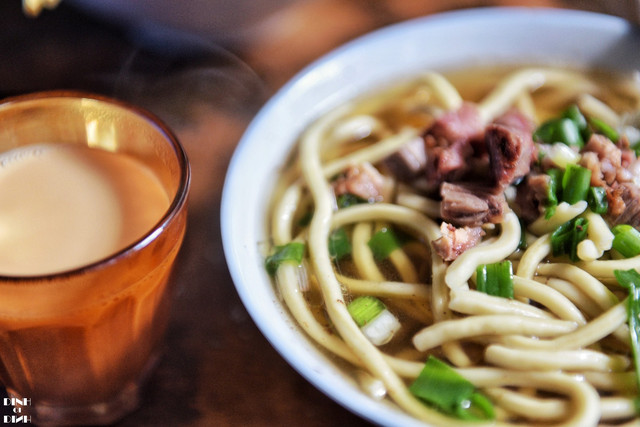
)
(92, 216)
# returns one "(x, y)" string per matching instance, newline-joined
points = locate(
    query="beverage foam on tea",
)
(65, 206)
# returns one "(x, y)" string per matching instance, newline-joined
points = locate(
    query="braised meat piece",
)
(624, 204)
(362, 180)
(409, 161)
(510, 146)
(532, 196)
(455, 241)
(604, 159)
(471, 205)
(450, 142)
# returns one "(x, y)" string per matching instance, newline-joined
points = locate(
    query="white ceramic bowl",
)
(449, 40)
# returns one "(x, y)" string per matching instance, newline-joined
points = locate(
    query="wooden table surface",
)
(218, 369)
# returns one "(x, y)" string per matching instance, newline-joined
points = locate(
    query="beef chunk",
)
(449, 144)
(409, 161)
(624, 204)
(510, 146)
(531, 196)
(362, 180)
(455, 241)
(471, 205)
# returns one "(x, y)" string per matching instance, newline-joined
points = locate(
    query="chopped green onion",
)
(626, 240)
(565, 239)
(365, 308)
(553, 191)
(291, 252)
(601, 127)
(636, 147)
(576, 181)
(597, 200)
(339, 245)
(442, 387)
(383, 242)
(573, 113)
(559, 130)
(347, 199)
(630, 279)
(495, 279)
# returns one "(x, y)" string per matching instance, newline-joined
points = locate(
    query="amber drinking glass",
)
(76, 344)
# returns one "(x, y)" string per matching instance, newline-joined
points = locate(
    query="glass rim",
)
(178, 200)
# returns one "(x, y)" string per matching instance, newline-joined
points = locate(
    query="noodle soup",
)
(472, 231)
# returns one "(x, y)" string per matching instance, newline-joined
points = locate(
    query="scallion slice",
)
(291, 252)
(576, 181)
(626, 240)
(383, 242)
(630, 279)
(553, 191)
(442, 387)
(495, 279)
(365, 308)
(599, 126)
(565, 239)
(597, 200)
(575, 115)
(339, 244)
(562, 130)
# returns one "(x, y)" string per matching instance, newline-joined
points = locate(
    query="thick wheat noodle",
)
(614, 408)
(372, 154)
(573, 293)
(531, 407)
(585, 400)
(603, 269)
(351, 129)
(591, 286)
(461, 270)
(420, 224)
(553, 300)
(527, 80)
(445, 93)
(403, 265)
(596, 108)
(584, 336)
(553, 360)
(429, 207)
(598, 232)
(453, 350)
(331, 289)
(287, 279)
(533, 255)
(564, 212)
(386, 288)
(490, 324)
(473, 302)
(283, 214)
(362, 255)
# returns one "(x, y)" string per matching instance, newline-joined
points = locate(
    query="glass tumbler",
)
(77, 344)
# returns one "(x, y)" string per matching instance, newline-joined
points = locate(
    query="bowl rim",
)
(242, 231)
